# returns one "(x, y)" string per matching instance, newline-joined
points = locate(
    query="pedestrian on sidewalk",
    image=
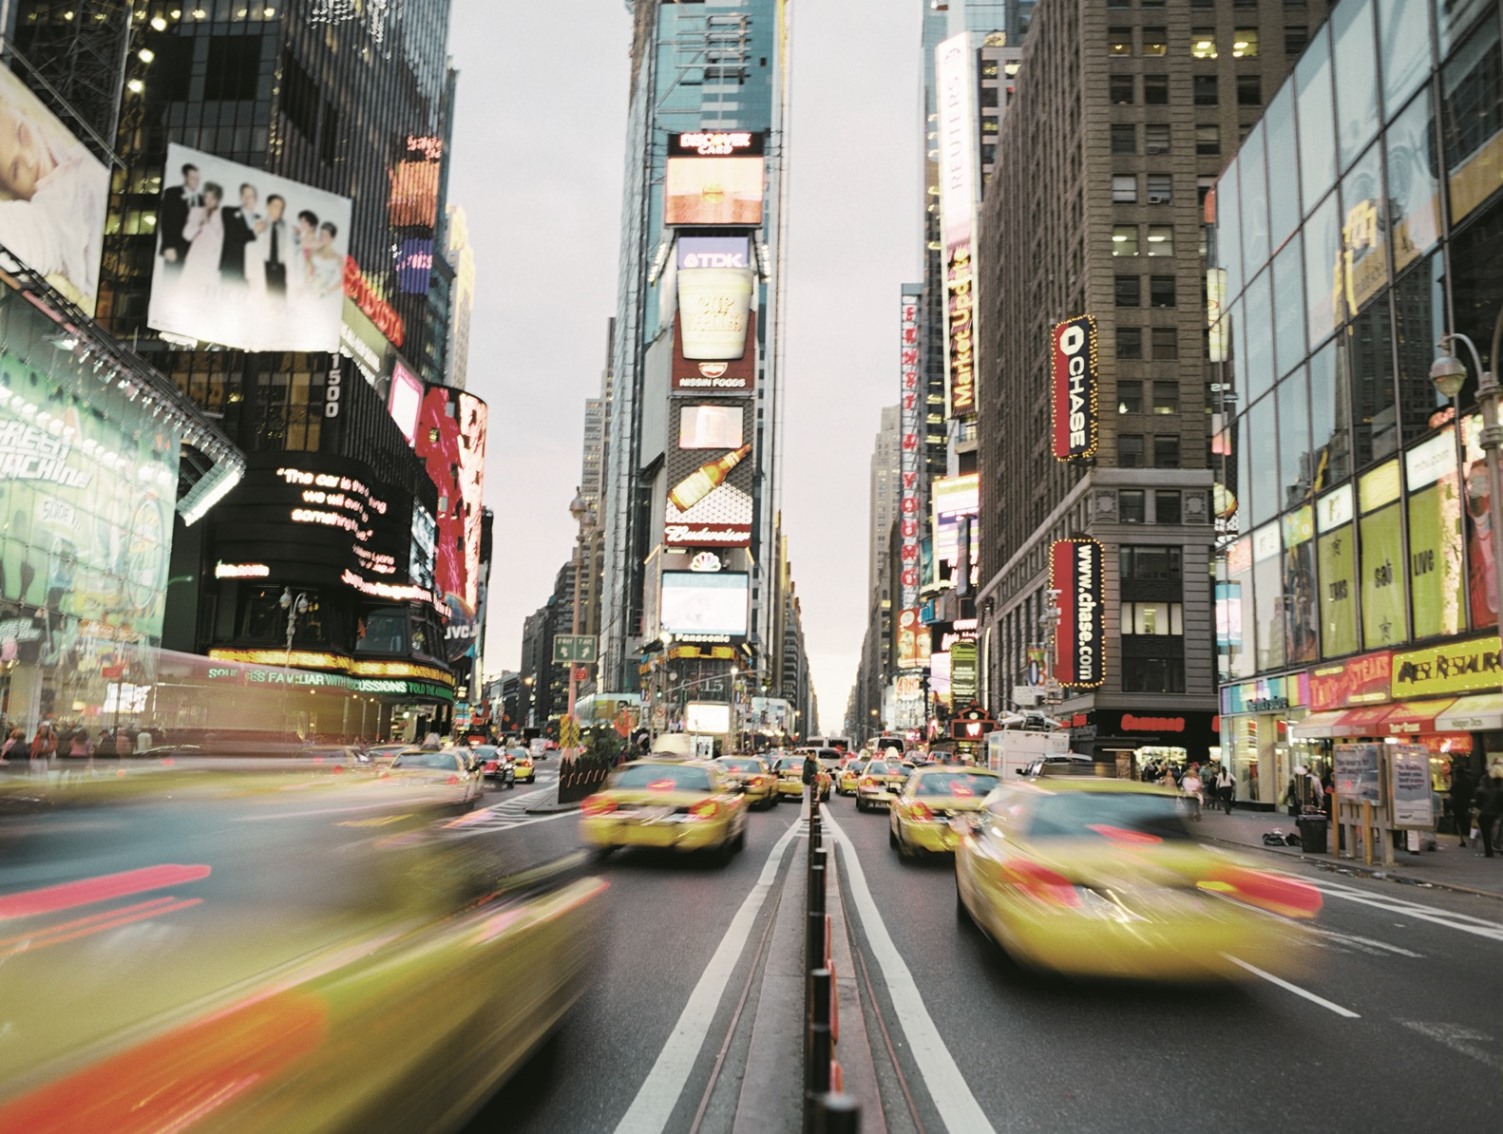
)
(1490, 806)
(1226, 787)
(1461, 797)
(43, 745)
(1291, 793)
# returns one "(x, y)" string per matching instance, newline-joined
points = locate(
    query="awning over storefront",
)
(1481, 713)
(1317, 726)
(1414, 717)
(1366, 721)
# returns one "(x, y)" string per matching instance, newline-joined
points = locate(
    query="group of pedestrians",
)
(1477, 805)
(54, 744)
(1211, 785)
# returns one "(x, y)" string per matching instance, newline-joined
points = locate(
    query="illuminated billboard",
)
(246, 258)
(707, 717)
(405, 401)
(53, 195)
(450, 438)
(954, 499)
(1076, 394)
(911, 483)
(722, 376)
(714, 178)
(714, 312)
(1075, 567)
(704, 606)
(414, 194)
(414, 266)
(710, 479)
(955, 94)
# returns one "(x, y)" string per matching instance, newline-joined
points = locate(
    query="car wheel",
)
(738, 844)
(962, 915)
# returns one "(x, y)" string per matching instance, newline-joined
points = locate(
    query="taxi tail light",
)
(453, 778)
(757, 781)
(868, 781)
(1287, 896)
(1048, 887)
(705, 809)
(597, 805)
(920, 811)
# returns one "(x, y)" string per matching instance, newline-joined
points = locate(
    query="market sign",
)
(911, 482)
(1076, 392)
(1451, 667)
(1075, 567)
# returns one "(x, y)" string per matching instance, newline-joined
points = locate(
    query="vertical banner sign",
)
(956, 85)
(1076, 394)
(910, 498)
(1075, 571)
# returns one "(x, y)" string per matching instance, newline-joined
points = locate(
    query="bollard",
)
(816, 898)
(836, 1114)
(814, 955)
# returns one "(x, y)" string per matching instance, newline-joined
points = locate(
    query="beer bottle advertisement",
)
(709, 470)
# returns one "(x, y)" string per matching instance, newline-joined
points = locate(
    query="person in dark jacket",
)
(1461, 797)
(1490, 805)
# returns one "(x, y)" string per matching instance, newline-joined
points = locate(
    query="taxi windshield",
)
(1107, 815)
(663, 777)
(955, 783)
(878, 768)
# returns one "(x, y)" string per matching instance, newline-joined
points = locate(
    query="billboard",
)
(710, 479)
(714, 312)
(714, 178)
(1076, 394)
(246, 258)
(414, 194)
(911, 483)
(707, 717)
(53, 196)
(704, 606)
(721, 376)
(450, 438)
(1075, 567)
(405, 400)
(414, 266)
(954, 499)
(955, 94)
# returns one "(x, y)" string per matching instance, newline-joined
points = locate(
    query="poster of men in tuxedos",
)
(246, 258)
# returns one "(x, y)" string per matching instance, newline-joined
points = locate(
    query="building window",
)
(1166, 507)
(1165, 348)
(1130, 450)
(1160, 240)
(1161, 291)
(1130, 393)
(1165, 393)
(1153, 619)
(1249, 90)
(1119, 89)
(1160, 189)
(1129, 291)
(1119, 41)
(1155, 90)
(1155, 138)
(1155, 41)
(1203, 187)
(1125, 240)
(1208, 141)
(1129, 342)
(1166, 452)
(1295, 39)
(1130, 506)
(1124, 138)
(1204, 88)
(1203, 43)
(1150, 564)
(1153, 675)
(1245, 43)
(1124, 189)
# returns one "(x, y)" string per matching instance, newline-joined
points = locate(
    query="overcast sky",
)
(537, 166)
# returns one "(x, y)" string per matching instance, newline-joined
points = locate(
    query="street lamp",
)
(295, 607)
(1448, 373)
(579, 509)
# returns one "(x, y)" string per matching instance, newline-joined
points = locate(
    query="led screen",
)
(246, 258)
(705, 603)
(707, 716)
(406, 400)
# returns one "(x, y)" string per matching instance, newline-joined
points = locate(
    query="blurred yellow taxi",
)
(752, 778)
(1095, 877)
(790, 772)
(919, 817)
(879, 782)
(689, 805)
(850, 776)
(525, 771)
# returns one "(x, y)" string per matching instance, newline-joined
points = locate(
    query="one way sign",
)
(570, 648)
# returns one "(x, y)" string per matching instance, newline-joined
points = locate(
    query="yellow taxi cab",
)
(879, 782)
(752, 778)
(681, 805)
(919, 817)
(790, 772)
(850, 775)
(1102, 878)
(525, 771)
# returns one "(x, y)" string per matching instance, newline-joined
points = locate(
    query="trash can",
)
(1312, 832)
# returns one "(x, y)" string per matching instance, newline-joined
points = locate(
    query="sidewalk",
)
(1450, 867)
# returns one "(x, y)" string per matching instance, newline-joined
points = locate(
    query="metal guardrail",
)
(827, 1110)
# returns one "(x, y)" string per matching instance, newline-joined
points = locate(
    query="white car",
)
(448, 771)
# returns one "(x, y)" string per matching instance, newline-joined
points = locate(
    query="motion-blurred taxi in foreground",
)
(919, 817)
(752, 778)
(686, 805)
(879, 782)
(790, 771)
(850, 776)
(1093, 877)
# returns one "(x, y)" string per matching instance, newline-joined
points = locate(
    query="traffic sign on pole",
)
(571, 648)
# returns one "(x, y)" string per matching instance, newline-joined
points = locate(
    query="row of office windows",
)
(1205, 90)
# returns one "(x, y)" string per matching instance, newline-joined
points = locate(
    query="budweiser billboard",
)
(1075, 567)
(1076, 393)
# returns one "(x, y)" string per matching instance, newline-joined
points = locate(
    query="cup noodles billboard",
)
(714, 311)
(714, 178)
(1076, 393)
(246, 258)
(53, 195)
(720, 376)
(1075, 567)
(710, 475)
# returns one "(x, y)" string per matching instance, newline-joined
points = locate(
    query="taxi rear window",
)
(741, 765)
(664, 777)
(877, 768)
(1107, 815)
(955, 783)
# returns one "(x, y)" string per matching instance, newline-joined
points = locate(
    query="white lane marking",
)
(1458, 1038)
(1365, 944)
(948, 1090)
(658, 1095)
(1294, 988)
(1466, 923)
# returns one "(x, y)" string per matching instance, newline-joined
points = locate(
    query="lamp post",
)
(584, 517)
(1449, 373)
(295, 606)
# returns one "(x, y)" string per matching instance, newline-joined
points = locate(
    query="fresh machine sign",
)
(1076, 389)
(1075, 572)
(955, 78)
(913, 644)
